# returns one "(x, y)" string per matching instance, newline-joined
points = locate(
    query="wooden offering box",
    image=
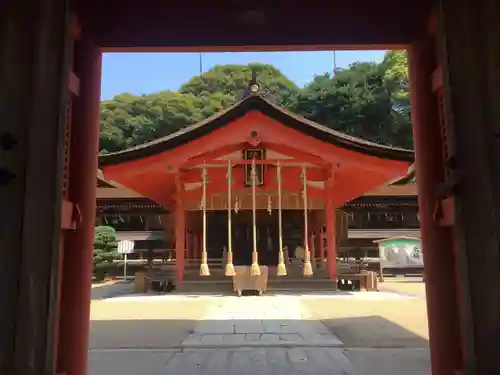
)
(244, 281)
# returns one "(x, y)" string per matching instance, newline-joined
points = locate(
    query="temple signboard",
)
(400, 252)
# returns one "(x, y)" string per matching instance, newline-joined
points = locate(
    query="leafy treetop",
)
(366, 100)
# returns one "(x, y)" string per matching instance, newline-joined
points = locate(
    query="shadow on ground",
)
(138, 333)
(104, 291)
(374, 332)
(247, 346)
(355, 332)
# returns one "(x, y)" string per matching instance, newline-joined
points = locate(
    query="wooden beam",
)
(223, 163)
(213, 155)
(218, 175)
(294, 152)
(260, 48)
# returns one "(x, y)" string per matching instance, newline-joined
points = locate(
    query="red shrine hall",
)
(236, 181)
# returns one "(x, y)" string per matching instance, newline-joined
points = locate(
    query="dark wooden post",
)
(469, 41)
(35, 48)
(437, 242)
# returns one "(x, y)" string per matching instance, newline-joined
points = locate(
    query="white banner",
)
(400, 253)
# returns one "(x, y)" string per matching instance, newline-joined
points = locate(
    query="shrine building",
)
(236, 185)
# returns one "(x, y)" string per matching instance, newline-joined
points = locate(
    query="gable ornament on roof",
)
(255, 88)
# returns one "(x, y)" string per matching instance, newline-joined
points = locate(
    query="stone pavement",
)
(239, 361)
(262, 361)
(259, 321)
(272, 334)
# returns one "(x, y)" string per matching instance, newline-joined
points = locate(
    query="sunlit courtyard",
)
(336, 333)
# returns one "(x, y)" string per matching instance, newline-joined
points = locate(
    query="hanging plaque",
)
(257, 154)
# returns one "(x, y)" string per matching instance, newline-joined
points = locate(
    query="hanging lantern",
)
(307, 256)
(204, 270)
(229, 271)
(281, 269)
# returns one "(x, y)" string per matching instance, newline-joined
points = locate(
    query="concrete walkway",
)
(258, 322)
(110, 290)
(271, 334)
(238, 361)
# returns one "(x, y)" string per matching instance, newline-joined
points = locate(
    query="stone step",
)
(205, 287)
(224, 286)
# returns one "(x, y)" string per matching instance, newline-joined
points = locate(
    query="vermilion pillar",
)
(437, 241)
(77, 264)
(321, 247)
(331, 243)
(180, 233)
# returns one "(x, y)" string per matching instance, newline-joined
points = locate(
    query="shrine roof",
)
(260, 104)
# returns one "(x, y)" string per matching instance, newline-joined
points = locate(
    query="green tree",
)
(128, 120)
(105, 250)
(355, 101)
(364, 100)
(232, 82)
(395, 64)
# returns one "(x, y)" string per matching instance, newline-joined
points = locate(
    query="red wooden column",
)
(437, 241)
(77, 264)
(180, 233)
(331, 242)
(321, 247)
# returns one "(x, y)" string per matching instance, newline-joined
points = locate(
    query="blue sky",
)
(144, 73)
